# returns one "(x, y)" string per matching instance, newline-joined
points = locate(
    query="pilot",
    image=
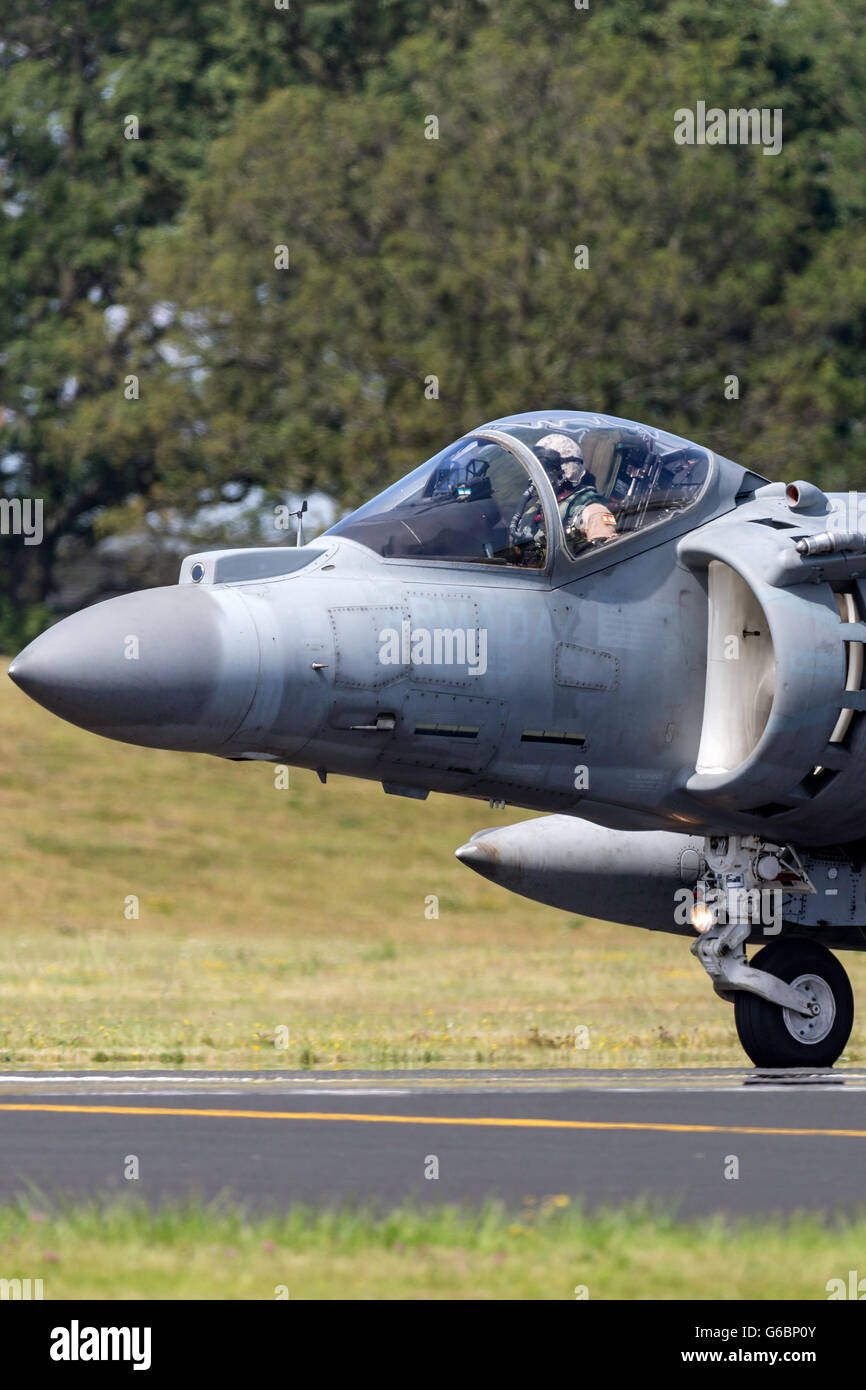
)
(586, 514)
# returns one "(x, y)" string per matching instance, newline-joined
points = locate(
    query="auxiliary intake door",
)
(741, 672)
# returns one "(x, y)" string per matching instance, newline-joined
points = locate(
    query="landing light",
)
(702, 917)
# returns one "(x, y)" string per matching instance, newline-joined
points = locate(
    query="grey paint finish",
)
(608, 874)
(167, 668)
(590, 702)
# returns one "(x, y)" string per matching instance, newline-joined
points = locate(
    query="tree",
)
(105, 113)
(345, 234)
(453, 257)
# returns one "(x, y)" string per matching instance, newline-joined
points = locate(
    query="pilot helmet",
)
(560, 453)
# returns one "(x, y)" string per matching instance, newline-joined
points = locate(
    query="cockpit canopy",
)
(482, 499)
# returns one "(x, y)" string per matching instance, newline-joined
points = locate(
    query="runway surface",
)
(796, 1139)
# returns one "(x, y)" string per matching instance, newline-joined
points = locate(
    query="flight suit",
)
(586, 515)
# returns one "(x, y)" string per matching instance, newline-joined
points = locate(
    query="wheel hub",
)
(822, 1010)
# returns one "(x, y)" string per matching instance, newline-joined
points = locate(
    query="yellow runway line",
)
(477, 1121)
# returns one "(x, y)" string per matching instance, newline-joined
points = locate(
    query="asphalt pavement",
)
(694, 1141)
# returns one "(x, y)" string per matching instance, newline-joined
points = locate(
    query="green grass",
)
(547, 1250)
(303, 910)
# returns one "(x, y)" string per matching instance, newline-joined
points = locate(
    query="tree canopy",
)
(345, 234)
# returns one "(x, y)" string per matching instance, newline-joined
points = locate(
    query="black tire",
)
(763, 1028)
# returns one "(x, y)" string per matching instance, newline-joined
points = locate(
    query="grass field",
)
(290, 928)
(549, 1250)
(305, 910)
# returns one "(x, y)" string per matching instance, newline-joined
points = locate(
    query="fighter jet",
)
(571, 613)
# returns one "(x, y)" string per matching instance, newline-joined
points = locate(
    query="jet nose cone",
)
(167, 668)
(16, 672)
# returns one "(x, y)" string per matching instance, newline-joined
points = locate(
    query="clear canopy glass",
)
(473, 502)
(612, 477)
(477, 502)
